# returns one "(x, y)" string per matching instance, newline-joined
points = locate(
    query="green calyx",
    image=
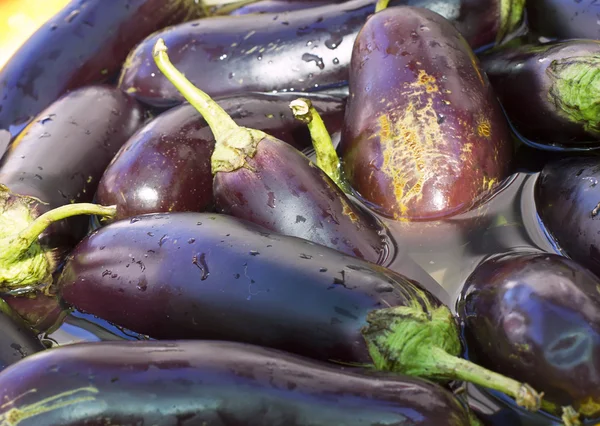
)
(233, 144)
(575, 90)
(511, 16)
(24, 264)
(424, 343)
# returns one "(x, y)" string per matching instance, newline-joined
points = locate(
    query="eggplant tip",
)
(159, 47)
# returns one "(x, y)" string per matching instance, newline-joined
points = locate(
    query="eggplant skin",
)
(85, 43)
(213, 384)
(279, 6)
(530, 83)
(566, 198)
(303, 50)
(563, 19)
(17, 341)
(535, 317)
(429, 140)
(209, 276)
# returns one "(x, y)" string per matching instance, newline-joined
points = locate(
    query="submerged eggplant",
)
(536, 317)
(266, 181)
(568, 202)
(550, 91)
(429, 140)
(85, 43)
(210, 276)
(305, 50)
(166, 166)
(563, 19)
(50, 172)
(17, 341)
(212, 383)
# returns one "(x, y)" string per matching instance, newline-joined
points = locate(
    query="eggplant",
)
(549, 91)
(280, 6)
(208, 276)
(306, 50)
(563, 19)
(536, 317)
(429, 140)
(212, 383)
(51, 172)
(265, 180)
(85, 43)
(17, 341)
(166, 165)
(567, 200)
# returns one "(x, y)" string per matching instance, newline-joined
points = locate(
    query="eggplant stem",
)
(327, 158)
(28, 236)
(570, 417)
(381, 4)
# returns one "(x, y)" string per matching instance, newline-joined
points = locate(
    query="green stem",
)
(381, 4)
(30, 234)
(327, 158)
(511, 15)
(233, 144)
(570, 417)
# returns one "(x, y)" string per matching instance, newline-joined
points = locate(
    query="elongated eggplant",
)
(166, 165)
(305, 50)
(549, 91)
(536, 317)
(85, 43)
(49, 172)
(279, 6)
(209, 276)
(16, 340)
(429, 140)
(267, 181)
(567, 200)
(563, 19)
(212, 383)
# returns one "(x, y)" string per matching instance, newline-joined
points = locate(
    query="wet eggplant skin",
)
(279, 6)
(429, 139)
(211, 276)
(305, 50)
(563, 19)
(17, 341)
(61, 155)
(285, 192)
(522, 80)
(566, 197)
(165, 166)
(216, 384)
(536, 317)
(85, 43)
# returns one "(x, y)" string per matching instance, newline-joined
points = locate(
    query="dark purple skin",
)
(166, 165)
(567, 197)
(536, 317)
(216, 384)
(280, 6)
(85, 43)
(17, 341)
(285, 192)
(41, 312)
(523, 79)
(564, 19)
(211, 276)
(305, 50)
(429, 140)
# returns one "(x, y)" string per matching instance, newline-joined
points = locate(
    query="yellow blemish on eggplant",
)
(589, 407)
(15, 415)
(254, 49)
(484, 127)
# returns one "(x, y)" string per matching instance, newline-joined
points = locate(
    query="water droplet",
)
(142, 284)
(231, 75)
(271, 200)
(223, 56)
(334, 41)
(72, 16)
(323, 270)
(45, 135)
(305, 256)
(309, 57)
(254, 253)
(102, 247)
(259, 57)
(191, 241)
(162, 240)
(200, 262)
(309, 43)
(46, 119)
(336, 61)
(134, 220)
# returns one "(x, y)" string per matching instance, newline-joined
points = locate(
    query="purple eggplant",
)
(429, 140)
(267, 181)
(166, 165)
(567, 201)
(305, 50)
(17, 341)
(212, 383)
(50, 172)
(536, 317)
(208, 276)
(549, 91)
(280, 6)
(563, 19)
(85, 43)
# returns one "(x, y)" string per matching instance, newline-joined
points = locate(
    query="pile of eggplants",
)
(241, 187)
